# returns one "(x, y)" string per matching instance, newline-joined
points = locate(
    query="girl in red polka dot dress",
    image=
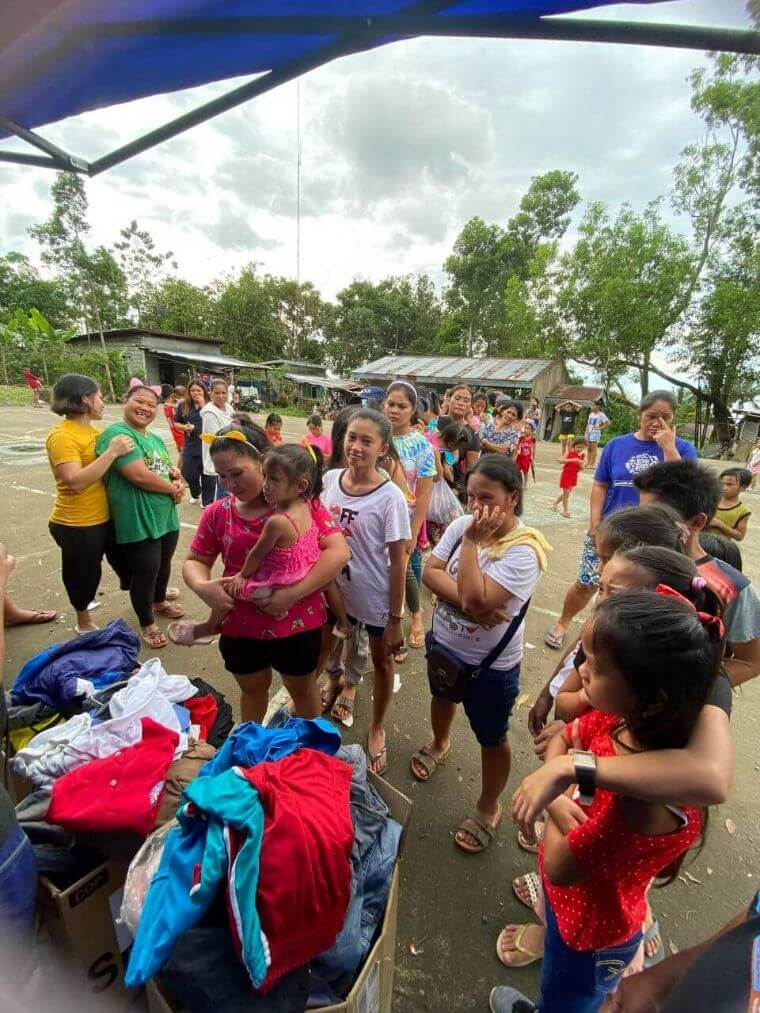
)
(650, 662)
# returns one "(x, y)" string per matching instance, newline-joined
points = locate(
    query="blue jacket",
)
(102, 657)
(194, 865)
(251, 743)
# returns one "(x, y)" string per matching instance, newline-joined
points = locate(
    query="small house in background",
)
(164, 357)
(582, 395)
(521, 379)
(747, 433)
(309, 381)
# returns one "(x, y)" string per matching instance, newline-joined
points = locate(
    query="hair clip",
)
(705, 618)
(310, 449)
(233, 434)
(699, 583)
(711, 621)
(136, 382)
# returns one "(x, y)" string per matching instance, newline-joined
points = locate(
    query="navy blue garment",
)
(376, 842)
(102, 657)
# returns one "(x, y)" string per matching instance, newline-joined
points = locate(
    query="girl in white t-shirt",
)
(483, 571)
(372, 513)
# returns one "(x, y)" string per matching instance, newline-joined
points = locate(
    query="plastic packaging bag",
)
(444, 506)
(140, 873)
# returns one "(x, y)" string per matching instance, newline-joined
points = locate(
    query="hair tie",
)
(136, 382)
(712, 622)
(699, 583)
(708, 620)
(310, 449)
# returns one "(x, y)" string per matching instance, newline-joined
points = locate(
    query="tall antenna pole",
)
(298, 181)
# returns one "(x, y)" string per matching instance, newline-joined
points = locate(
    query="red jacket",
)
(305, 871)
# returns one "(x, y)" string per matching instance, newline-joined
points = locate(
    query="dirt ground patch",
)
(452, 904)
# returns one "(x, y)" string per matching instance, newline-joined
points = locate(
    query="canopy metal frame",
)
(355, 34)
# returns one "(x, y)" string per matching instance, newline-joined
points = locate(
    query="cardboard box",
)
(81, 923)
(373, 989)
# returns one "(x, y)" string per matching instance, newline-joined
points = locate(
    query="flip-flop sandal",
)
(171, 611)
(401, 657)
(376, 757)
(172, 593)
(528, 956)
(428, 762)
(483, 832)
(554, 640)
(533, 886)
(81, 633)
(659, 954)
(538, 829)
(348, 707)
(417, 640)
(154, 640)
(328, 694)
(184, 634)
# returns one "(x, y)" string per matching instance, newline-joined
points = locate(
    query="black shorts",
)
(295, 656)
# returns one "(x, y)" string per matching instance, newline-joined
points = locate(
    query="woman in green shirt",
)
(143, 491)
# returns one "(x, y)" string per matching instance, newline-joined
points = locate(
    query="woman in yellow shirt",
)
(81, 521)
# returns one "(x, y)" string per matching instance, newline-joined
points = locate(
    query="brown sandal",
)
(429, 763)
(483, 832)
(328, 694)
(172, 610)
(154, 639)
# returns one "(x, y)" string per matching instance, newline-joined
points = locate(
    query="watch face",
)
(585, 761)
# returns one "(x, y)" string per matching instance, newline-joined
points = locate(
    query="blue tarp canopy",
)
(59, 58)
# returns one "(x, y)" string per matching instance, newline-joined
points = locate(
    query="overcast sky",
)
(399, 148)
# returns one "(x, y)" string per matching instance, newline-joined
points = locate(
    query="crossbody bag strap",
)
(511, 630)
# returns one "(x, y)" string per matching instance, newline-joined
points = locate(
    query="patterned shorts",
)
(588, 571)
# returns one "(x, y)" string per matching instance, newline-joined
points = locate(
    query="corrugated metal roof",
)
(449, 369)
(200, 357)
(316, 380)
(573, 392)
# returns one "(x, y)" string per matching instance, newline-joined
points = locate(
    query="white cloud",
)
(400, 146)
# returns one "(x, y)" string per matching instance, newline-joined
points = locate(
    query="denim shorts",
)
(575, 981)
(588, 571)
(488, 702)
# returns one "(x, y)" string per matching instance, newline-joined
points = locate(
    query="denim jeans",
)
(18, 885)
(575, 982)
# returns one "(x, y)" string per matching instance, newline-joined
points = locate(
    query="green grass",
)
(15, 395)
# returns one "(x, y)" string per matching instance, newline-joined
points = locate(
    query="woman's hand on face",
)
(393, 636)
(485, 523)
(121, 445)
(665, 438)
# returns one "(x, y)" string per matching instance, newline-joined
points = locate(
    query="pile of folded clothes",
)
(271, 888)
(107, 747)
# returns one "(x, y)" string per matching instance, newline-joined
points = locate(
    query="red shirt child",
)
(608, 907)
(177, 434)
(573, 462)
(526, 451)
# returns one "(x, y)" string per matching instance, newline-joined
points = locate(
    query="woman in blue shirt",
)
(622, 459)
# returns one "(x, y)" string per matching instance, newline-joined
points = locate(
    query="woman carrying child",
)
(572, 464)
(282, 629)
(373, 514)
(597, 870)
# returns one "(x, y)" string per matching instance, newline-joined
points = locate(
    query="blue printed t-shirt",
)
(622, 459)
(416, 456)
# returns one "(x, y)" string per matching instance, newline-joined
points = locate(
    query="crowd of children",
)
(323, 543)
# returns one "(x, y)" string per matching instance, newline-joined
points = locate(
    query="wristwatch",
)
(585, 776)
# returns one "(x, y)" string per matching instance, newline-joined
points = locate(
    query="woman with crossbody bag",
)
(483, 572)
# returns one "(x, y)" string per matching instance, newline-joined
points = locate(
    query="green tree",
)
(178, 306)
(398, 314)
(246, 312)
(486, 257)
(21, 286)
(142, 264)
